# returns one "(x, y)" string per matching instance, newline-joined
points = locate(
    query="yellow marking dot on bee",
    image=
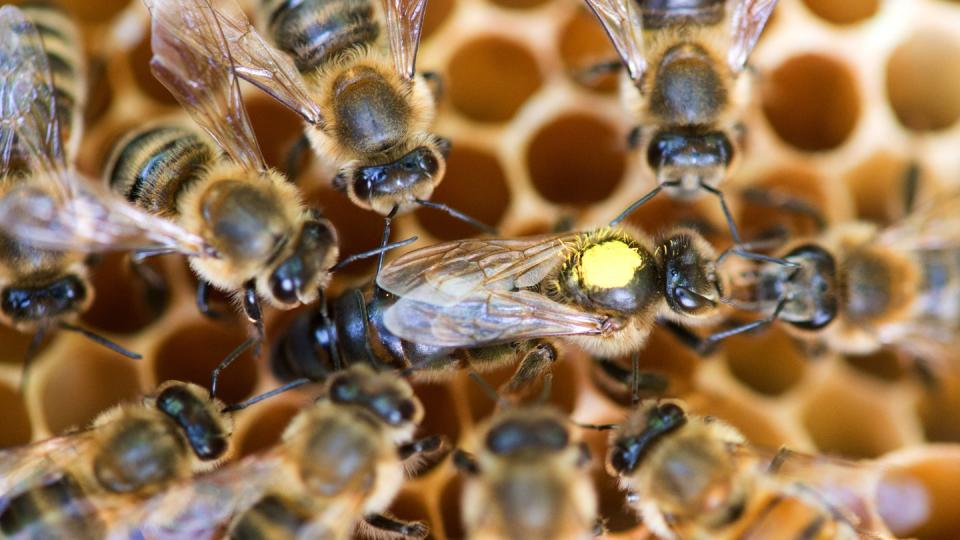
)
(610, 264)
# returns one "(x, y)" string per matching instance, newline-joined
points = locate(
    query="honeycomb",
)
(848, 95)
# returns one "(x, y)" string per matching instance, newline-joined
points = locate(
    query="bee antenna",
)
(489, 390)
(459, 215)
(257, 399)
(371, 252)
(234, 354)
(100, 340)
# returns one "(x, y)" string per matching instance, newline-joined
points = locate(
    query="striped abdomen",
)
(56, 510)
(676, 13)
(152, 166)
(314, 32)
(273, 516)
(64, 48)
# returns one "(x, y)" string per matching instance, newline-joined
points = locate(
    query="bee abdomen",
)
(152, 167)
(316, 31)
(61, 41)
(271, 517)
(669, 13)
(56, 510)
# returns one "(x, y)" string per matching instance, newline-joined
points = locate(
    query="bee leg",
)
(466, 462)
(203, 301)
(31, 353)
(435, 83)
(591, 75)
(536, 361)
(251, 306)
(688, 337)
(407, 529)
(911, 186)
(295, 157)
(646, 381)
(788, 203)
(156, 287)
(421, 454)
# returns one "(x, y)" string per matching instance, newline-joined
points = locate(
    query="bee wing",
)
(623, 22)
(39, 463)
(935, 225)
(203, 506)
(404, 22)
(847, 486)
(192, 58)
(94, 220)
(746, 24)
(28, 117)
(488, 318)
(446, 273)
(254, 60)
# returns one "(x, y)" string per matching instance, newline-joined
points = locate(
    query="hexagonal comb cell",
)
(853, 93)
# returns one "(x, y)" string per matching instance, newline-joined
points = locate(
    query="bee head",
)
(532, 433)
(683, 160)
(386, 396)
(305, 268)
(67, 294)
(814, 302)
(611, 272)
(402, 181)
(690, 280)
(652, 422)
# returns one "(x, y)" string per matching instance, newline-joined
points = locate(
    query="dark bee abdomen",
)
(667, 13)
(272, 517)
(152, 167)
(61, 42)
(56, 510)
(315, 31)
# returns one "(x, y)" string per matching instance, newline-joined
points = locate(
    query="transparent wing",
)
(203, 506)
(445, 273)
(493, 317)
(623, 23)
(746, 24)
(94, 220)
(255, 61)
(935, 225)
(404, 22)
(847, 486)
(37, 464)
(192, 59)
(28, 118)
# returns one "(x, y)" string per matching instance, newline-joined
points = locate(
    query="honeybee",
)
(338, 468)
(601, 290)
(858, 287)
(693, 477)
(530, 478)
(365, 109)
(50, 219)
(77, 485)
(685, 85)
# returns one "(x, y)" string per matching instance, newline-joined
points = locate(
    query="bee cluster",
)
(787, 281)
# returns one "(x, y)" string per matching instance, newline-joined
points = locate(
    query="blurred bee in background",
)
(685, 62)
(858, 287)
(341, 462)
(367, 111)
(530, 476)
(78, 485)
(693, 477)
(51, 220)
(601, 290)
